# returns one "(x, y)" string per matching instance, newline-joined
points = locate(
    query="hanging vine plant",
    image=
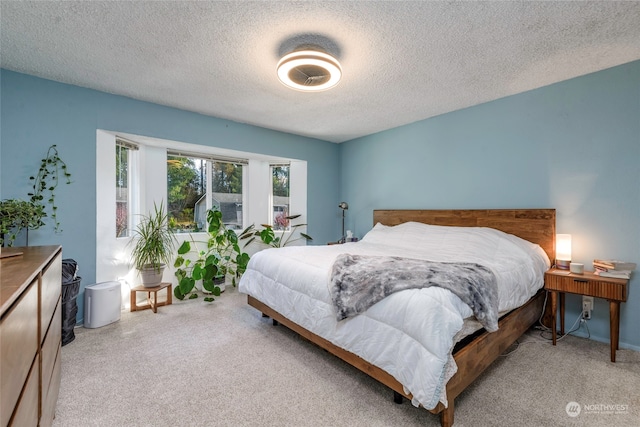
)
(52, 168)
(16, 214)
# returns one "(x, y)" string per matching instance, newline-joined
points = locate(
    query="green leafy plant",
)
(154, 243)
(273, 238)
(221, 256)
(45, 182)
(17, 214)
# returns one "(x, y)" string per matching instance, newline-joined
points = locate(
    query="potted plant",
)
(219, 257)
(273, 238)
(16, 214)
(154, 245)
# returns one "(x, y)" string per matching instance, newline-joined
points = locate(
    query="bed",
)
(434, 356)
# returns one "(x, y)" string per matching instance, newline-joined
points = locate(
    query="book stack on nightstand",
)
(613, 268)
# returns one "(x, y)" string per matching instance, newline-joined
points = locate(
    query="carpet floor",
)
(222, 364)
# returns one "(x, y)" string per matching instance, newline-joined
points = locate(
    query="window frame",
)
(113, 261)
(272, 195)
(209, 176)
(131, 185)
(207, 172)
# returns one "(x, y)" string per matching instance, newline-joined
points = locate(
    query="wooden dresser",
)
(30, 335)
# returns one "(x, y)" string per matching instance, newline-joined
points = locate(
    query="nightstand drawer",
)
(588, 284)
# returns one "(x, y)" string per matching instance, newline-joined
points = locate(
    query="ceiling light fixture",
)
(309, 71)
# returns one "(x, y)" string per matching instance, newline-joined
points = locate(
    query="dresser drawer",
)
(50, 347)
(19, 338)
(50, 398)
(26, 413)
(51, 290)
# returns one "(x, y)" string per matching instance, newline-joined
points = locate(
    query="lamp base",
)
(562, 264)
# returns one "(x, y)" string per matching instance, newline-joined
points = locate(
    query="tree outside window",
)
(187, 187)
(186, 178)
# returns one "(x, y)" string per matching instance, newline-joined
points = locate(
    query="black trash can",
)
(70, 289)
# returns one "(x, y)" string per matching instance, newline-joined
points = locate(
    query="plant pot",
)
(151, 276)
(218, 281)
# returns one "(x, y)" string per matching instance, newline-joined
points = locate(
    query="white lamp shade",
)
(563, 247)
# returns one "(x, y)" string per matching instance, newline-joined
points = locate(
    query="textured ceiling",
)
(402, 61)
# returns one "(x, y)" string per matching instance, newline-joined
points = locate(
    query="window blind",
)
(126, 143)
(210, 157)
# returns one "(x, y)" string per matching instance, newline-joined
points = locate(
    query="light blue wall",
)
(573, 146)
(36, 113)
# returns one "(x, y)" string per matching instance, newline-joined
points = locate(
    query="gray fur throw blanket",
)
(359, 281)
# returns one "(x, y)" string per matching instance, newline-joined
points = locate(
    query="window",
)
(280, 196)
(186, 187)
(197, 183)
(124, 180)
(226, 187)
(145, 168)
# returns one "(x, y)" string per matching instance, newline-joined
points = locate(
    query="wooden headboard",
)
(535, 225)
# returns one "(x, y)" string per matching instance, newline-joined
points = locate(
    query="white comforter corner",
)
(409, 334)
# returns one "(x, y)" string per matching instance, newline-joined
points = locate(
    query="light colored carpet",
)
(222, 364)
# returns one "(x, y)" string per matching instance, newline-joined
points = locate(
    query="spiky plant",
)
(154, 242)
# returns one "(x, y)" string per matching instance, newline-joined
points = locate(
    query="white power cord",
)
(579, 321)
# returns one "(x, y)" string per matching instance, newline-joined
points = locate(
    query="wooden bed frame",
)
(535, 225)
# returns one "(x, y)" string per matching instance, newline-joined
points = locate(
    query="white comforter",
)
(409, 334)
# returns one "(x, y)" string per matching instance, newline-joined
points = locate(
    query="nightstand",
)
(614, 290)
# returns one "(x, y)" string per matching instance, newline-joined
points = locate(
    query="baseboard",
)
(604, 340)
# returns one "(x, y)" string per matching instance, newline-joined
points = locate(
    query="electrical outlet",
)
(587, 306)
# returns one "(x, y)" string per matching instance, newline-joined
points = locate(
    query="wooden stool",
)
(152, 303)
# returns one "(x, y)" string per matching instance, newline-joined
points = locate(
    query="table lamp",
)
(563, 251)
